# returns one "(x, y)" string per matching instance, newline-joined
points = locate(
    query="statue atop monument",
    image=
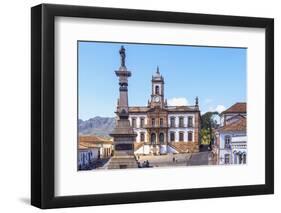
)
(122, 53)
(196, 101)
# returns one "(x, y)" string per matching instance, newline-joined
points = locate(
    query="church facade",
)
(163, 129)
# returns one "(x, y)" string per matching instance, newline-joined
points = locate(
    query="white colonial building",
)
(231, 137)
(163, 129)
(92, 148)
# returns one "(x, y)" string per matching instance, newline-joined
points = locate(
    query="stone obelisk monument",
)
(123, 134)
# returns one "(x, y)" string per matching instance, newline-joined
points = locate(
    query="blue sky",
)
(216, 75)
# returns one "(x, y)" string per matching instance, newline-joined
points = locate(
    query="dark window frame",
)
(142, 136)
(190, 121)
(181, 121)
(181, 136)
(142, 122)
(172, 139)
(173, 121)
(190, 136)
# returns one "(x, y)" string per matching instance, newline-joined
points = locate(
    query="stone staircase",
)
(185, 147)
(138, 145)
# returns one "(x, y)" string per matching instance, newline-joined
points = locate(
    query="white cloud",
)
(219, 108)
(177, 101)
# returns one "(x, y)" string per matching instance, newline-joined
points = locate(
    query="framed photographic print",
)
(140, 106)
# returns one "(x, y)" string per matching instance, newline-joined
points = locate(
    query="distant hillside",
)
(96, 126)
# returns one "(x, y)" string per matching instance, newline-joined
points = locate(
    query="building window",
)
(161, 122)
(190, 121)
(181, 123)
(141, 122)
(189, 136)
(240, 158)
(172, 121)
(84, 158)
(157, 90)
(181, 136)
(226, 158)
(153, 138)
(235, 156)
(134, 122)
(142, 136)
(244, 158)
(161, 138)
(172, 136)
(89, 156)
(227, 142)
(153, 121)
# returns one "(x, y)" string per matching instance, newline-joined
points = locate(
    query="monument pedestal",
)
(124, 137)
(122, 162)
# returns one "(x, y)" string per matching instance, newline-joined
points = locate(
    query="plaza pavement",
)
(186, 159)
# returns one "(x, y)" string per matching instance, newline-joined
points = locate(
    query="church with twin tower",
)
(156, 128)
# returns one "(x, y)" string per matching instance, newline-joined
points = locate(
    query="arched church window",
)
(153, 138)
(157, 90)
(161, 138)
(161, 122)
(153, 121)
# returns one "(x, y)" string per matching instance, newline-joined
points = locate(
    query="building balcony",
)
(156, 126)
(182, 126)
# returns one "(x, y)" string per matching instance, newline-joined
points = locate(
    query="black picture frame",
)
(43, 110)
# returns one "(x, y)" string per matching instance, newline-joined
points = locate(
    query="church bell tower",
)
(157, 92)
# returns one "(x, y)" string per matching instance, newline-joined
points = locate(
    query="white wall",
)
(177, 131)
(15, 104)
(85, 152)
(235, 137)
(138, 130)
(185, 118)
(186, 129)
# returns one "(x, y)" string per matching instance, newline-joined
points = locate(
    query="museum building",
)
(163, 129)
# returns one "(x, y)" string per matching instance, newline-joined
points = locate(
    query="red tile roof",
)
(94, 139)
(237, 108)
(239, 125)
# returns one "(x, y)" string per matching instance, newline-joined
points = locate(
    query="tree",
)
(208, 122)
(205, 136)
